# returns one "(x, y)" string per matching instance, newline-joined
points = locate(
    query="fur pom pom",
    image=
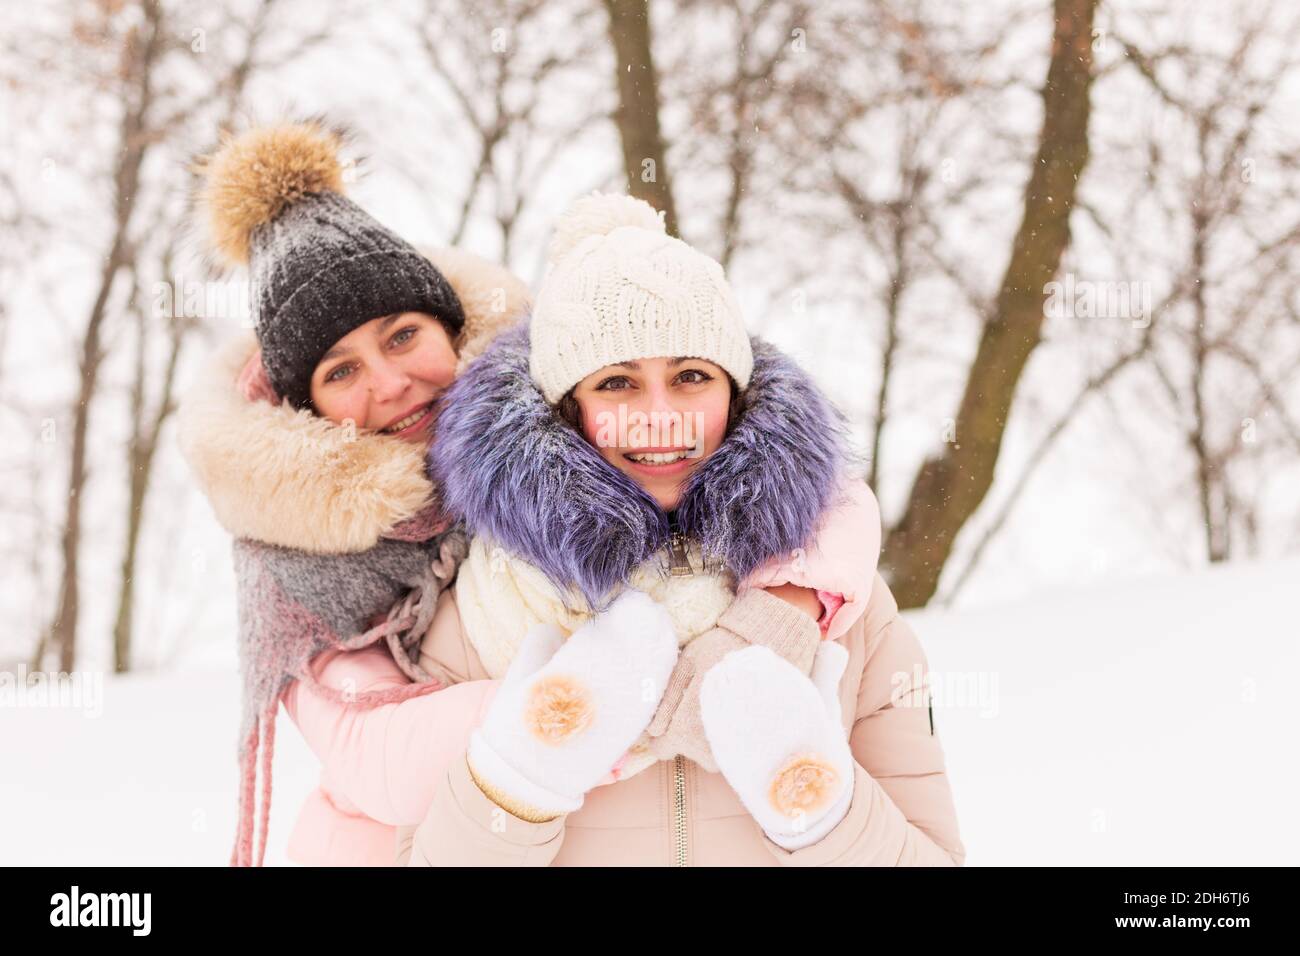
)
(804, 785)
(252, 177)
(559, 708)
(598, 215)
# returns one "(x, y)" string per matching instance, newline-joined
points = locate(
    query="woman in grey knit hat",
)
(309, 441)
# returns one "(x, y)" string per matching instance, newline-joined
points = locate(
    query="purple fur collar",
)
(511, 469)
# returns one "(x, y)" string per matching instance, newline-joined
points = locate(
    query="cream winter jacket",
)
(674, 814)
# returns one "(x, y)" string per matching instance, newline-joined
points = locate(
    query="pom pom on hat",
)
(252, 177)
(598, 215)
(318, 265)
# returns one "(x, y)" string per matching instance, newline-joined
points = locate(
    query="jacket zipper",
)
(679, 808)
(679, 565)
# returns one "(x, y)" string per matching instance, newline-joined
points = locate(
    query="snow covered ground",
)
(1151, 722)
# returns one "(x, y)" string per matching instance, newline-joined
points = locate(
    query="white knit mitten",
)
(567, 710)
(779, 741)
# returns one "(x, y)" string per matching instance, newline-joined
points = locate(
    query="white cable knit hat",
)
(619, 288)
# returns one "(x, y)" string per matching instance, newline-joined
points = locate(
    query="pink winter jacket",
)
(379, 766)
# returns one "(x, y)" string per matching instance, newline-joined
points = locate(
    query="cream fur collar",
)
(286, 477)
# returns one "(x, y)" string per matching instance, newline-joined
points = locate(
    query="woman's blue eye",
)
(394, 340)
(334, 375)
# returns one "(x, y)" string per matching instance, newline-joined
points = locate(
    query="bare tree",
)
(146, 427)
(644, 151)
(504, 63)
(1228, 357)
(142, 48)
(951, 485)
(149, 409)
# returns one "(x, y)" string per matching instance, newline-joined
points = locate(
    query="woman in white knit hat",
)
(738, 694)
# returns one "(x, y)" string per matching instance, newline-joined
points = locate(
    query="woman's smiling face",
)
(385, 375)
(656, 419)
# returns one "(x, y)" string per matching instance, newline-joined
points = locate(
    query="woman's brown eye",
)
(702, 376)
(608, 384)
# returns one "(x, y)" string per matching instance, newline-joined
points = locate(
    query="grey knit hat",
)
(319, 265)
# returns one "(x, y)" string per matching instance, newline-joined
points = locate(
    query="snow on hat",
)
(619, 288)
(319, 265)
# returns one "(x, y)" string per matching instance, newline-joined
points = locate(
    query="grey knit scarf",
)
(294, 604)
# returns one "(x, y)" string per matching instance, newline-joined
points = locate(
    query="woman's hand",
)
(778, 739)
(757, 617)
(567, 710)
(805, 599)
